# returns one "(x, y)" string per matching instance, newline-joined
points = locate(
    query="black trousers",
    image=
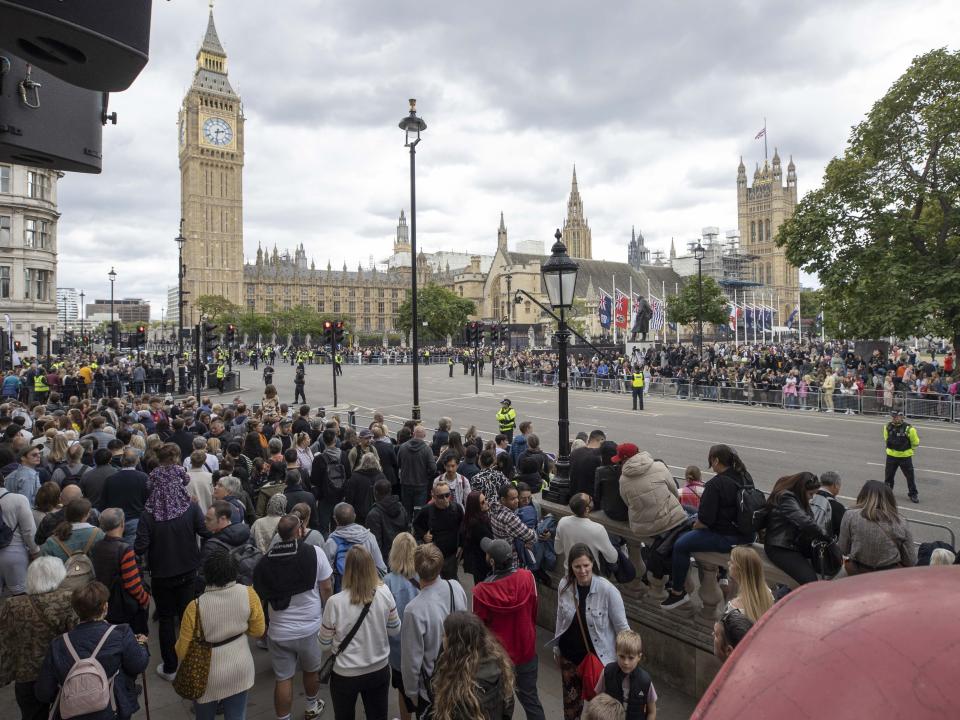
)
(30, 707)
(373, 689)
(298, 395)
(171, 595)
(905, 464)
(792, 562)
(638, 398)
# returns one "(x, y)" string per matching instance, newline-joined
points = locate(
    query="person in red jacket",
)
(507, 603)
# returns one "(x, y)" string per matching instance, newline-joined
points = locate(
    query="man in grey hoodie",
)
(328, 475)
(348, 534)
(417, 469)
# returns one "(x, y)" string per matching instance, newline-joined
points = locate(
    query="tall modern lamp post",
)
(412, 126)
(113, 335)
(83, 312)
(509, 278)
(699, 253)
(180, 240)
(560, 278)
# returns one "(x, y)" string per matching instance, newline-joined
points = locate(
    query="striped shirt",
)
(130, 577)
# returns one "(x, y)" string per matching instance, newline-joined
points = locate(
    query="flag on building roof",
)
(760, 134)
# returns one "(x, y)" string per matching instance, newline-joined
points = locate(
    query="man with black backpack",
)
(226, 535)
(347, 534)
(328, 475)
(901, 439)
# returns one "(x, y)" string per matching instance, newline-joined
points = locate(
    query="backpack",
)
(750, 503)
(340, 559)
(335, 473)
(70, 478)
(80, 570)
(6, 532)
(246, 556)
(86, 689)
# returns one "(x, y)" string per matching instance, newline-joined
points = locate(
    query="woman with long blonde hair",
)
(753, 596)
(873, 535)
(362, 666)
(473, 678)
(405, 586)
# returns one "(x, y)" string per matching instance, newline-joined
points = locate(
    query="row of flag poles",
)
(752, 316)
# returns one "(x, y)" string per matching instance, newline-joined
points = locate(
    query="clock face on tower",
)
(217, 131)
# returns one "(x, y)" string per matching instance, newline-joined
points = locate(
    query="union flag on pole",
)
(623, 311)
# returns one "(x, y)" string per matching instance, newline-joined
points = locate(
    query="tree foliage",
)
(217, 309)
(882, 232)
(683, 307)
(444, 312)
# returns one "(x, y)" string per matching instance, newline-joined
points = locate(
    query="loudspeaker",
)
(46, 122)
(94, 44)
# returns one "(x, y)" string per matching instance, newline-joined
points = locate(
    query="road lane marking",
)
(934, 447)
(714, 442)
(760, 427)
(938, 472)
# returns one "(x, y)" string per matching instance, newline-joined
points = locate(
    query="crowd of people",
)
(791, 374)
(340, 552)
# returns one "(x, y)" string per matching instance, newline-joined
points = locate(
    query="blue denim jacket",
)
(605, 616)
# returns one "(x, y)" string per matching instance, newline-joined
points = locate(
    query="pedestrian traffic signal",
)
(328, 332)
(338, 332)
(209, 338)
(231, 334)
(38, 339)
(141, 338)
(17, 346)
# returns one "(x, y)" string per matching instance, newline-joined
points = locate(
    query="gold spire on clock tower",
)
(211, 179)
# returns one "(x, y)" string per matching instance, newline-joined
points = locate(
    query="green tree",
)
(444, 312)
(882, 232)
(252, 325)
(683, 307)
(217, 309)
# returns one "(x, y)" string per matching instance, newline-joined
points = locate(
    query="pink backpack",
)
(86, 688)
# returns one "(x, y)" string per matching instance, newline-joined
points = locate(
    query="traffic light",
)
(338, 332)
(328, 332)
(17, 345)
(141, 339)
(38, 339)
(209, 338)
(231, 334)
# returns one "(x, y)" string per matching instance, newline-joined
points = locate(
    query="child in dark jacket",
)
(626, 682)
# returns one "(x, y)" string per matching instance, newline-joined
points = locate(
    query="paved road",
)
(772, 442)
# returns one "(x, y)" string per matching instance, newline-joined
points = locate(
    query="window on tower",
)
(753, 231)
(767, 223)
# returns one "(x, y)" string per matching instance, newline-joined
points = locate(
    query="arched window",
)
(770, 274)
(768, 231)
(753, 231)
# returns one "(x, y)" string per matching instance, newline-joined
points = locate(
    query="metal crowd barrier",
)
(949, 531)
(942, 407)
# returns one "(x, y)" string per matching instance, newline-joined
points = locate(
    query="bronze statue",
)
(641, 320)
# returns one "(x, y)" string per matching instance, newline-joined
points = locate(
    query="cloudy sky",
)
(654, 103)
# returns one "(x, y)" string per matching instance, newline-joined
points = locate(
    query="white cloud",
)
(655, 103)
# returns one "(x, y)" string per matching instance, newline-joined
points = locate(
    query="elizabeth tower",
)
(211, 180)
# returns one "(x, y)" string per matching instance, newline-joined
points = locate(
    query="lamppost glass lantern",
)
(560, 276)
(412, 125)
(699, 252)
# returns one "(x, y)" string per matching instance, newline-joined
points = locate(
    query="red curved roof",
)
(876, 646)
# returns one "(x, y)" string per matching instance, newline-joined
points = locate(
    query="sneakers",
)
(914, 498)
(166, 676)
(314, 712)
(262, 643)
(674, 601)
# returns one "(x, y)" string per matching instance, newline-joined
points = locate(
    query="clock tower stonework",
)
(211, 181)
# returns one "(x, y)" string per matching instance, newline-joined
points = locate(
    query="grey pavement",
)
(773, 442)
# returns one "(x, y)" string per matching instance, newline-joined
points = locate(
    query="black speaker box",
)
(47, 122)
(94, 44)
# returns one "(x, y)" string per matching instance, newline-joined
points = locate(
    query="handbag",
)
(826, 558)
(327, 668)
(590, 668)
(194, 669)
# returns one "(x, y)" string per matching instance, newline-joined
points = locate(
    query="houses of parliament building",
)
(211, 154)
